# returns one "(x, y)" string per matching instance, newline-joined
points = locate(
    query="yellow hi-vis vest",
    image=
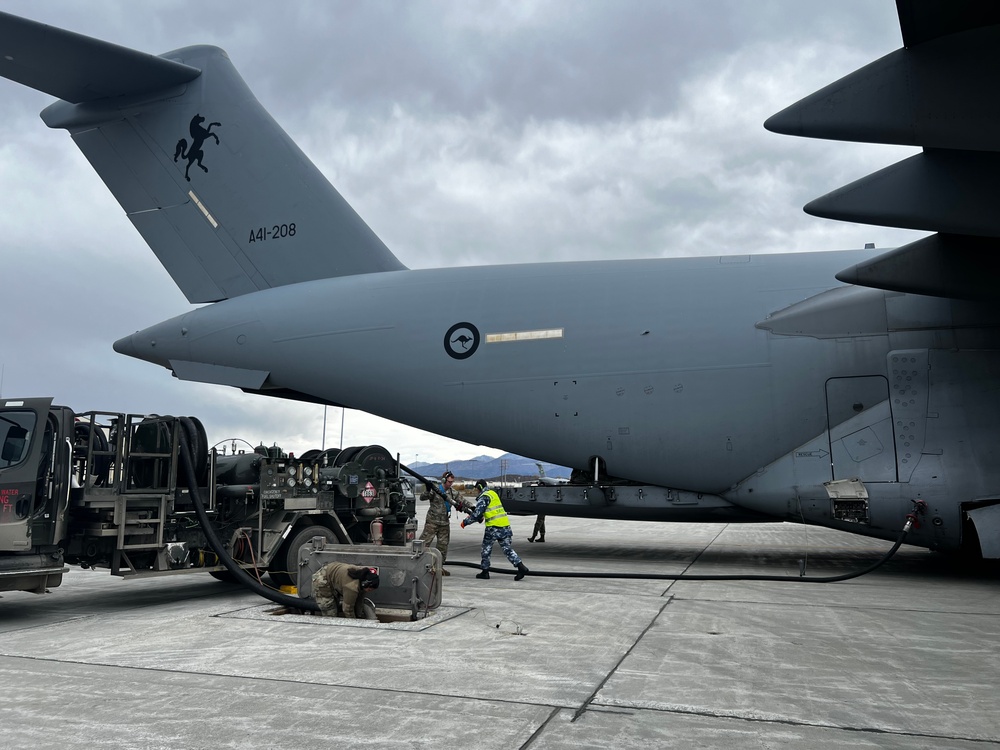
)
(495, 515)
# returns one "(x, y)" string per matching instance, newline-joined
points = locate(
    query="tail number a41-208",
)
(275, 232)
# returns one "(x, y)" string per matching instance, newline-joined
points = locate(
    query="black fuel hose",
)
(423, 480)
(706, 577)
(427, 483)
(219, 548)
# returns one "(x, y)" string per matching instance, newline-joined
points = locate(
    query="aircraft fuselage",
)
(634, 364)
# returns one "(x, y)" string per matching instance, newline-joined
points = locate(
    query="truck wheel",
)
(284, 569)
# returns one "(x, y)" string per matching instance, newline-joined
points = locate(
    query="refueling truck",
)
(109, 490)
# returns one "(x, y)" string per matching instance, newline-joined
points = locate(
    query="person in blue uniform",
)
(490, 510)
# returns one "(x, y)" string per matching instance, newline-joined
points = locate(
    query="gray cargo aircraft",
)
(549, 481)
(838, 388)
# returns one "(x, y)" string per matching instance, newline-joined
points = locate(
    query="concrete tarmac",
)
(904, 657)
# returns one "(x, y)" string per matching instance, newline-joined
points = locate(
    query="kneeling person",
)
(338, 588)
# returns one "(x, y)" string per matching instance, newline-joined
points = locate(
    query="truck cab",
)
(36, 450)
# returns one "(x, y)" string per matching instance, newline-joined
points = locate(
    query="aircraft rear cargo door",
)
(861, 434)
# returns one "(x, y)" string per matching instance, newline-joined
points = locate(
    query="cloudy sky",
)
(464, 132)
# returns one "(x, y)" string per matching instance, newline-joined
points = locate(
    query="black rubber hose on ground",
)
(686, 576)
(219, 548)
(706, 577)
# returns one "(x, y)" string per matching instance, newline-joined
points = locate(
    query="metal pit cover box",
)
(409, 576)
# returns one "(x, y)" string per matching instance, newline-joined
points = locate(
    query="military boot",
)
(484, 575)
(522, 571)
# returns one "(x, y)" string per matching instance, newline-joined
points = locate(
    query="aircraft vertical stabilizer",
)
(223, 196)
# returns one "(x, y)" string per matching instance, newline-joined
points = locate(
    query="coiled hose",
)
(219, 548)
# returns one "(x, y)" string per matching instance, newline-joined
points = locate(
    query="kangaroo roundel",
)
(461, 340)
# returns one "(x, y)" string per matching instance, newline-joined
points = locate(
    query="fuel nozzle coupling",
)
(913, 517)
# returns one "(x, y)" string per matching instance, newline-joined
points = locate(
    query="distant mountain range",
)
(487, 467)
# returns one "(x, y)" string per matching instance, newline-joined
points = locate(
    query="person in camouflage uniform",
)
(336, 587)
(438, 523)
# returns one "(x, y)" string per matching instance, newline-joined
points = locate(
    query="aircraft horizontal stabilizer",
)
(77, 68)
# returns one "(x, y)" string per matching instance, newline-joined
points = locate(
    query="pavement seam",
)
(541, 727)
(256, 678)
(26, 628)
(652, 621)
(828, 605)
(697, 557)
(793, 722)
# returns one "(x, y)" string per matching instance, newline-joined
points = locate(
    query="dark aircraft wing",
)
(938, 92)
(922, 21)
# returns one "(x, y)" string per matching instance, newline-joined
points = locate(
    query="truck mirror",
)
(13, 445)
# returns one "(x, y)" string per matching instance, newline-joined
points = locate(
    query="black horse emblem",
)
(193, 153)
